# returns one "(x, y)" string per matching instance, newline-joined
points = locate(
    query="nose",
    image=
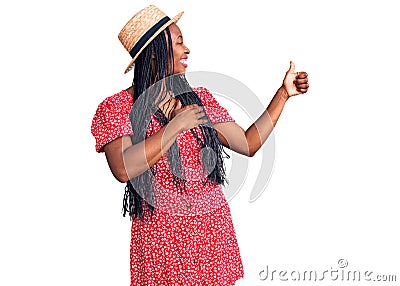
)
(187, 51)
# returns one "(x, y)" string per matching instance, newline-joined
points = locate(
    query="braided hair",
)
(152, 83)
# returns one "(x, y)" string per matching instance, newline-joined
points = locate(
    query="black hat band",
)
(139, 45)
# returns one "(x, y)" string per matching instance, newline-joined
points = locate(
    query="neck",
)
(130, 90)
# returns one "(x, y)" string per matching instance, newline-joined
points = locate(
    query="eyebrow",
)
(180, 36)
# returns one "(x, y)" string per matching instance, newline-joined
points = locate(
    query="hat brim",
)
(162, 28)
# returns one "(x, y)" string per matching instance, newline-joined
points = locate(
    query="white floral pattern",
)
(190, 238)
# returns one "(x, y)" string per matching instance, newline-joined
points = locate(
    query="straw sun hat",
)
(142, 28)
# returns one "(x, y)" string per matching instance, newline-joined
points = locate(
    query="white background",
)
(334, 190)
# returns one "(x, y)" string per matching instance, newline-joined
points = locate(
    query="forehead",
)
(175, 31)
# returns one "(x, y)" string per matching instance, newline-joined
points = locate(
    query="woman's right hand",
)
(189, 116)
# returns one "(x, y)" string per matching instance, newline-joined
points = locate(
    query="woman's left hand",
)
(295, 83)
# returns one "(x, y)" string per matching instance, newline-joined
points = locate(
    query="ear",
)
(153, 55)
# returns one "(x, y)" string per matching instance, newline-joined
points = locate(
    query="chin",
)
(180, 72)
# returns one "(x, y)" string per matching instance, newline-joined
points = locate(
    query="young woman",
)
(165, 140)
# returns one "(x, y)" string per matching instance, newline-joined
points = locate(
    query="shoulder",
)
(116, 105)
(111, 119)
(118, 100)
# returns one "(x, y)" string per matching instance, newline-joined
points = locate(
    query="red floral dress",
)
(190, 238)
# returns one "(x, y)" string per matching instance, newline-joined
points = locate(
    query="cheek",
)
(176, 54)
(178, 51)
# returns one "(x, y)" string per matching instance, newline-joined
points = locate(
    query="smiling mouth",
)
(183, 62)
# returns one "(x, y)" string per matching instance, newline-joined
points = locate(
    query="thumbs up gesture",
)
(295, 83)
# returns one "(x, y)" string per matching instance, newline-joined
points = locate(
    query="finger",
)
(187, 107)
(302, 90)
(301, 75)
(301, 80)
(196, 109)
(302, 86)
(203, 121)
(200, 109)
(197, 112)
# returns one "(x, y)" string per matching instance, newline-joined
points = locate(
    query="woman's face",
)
(180, 50)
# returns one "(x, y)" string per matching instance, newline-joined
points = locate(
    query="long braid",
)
(151, 88)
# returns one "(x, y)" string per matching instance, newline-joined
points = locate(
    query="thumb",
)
(292, 67)
(178, 104)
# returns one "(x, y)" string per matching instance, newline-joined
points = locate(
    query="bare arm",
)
(249, 142)
(128, 161)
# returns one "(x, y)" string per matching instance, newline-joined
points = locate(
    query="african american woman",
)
(165, 140)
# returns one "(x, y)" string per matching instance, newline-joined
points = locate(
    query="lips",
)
(184, 62)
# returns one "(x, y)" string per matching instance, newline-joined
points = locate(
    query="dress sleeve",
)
(111, 120)
(214, 110)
